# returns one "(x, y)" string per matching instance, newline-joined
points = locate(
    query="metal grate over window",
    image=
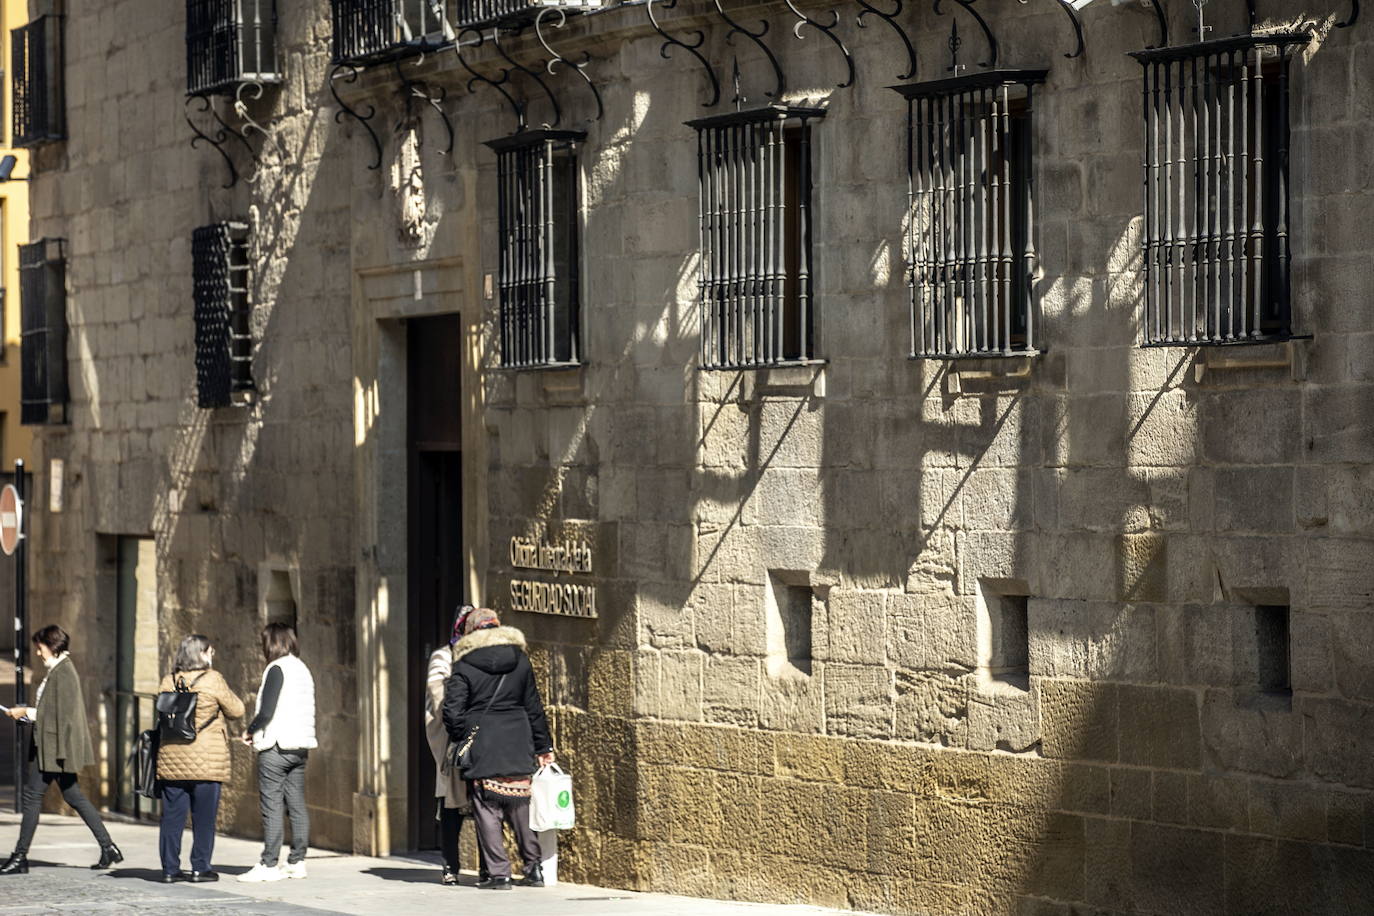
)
(223, 315)
(43, 332)
(756, 215)
(39, 102)
(366, 31)
(229, 42)
(537, 195)
(969, 245)
(486, 12)
(1216, 235)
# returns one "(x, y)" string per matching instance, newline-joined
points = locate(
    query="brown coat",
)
(206, 759)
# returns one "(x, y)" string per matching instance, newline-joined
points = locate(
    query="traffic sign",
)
(11, 519)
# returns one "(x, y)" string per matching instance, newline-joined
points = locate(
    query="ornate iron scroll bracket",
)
(993, 53)
(349, 74)
(891, 20)
(757, 39)
(517, 67)
(417, 89)
(555, 58)
(669, 42)
(241, 109)
(1163, 21)
(219, 137)
(1080, 45)
(829, 32)
(498, 84)
(1353, 17)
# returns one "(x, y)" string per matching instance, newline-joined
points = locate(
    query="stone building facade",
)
(1077, 629)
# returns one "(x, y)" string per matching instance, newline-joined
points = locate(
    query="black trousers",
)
(34, 790)
(450, 830)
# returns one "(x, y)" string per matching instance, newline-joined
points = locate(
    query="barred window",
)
(39, 102)
(969, 241)
(366, 31)
(1216, 235)
(229, 42)
(43, 332)
(223, 315)
(756, 216)
(486, 12)
(537, 215)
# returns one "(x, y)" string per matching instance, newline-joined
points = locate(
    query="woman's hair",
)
(278, 640)
(191, 654)
(54, 637)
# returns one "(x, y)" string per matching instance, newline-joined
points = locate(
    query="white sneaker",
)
(293, 870)
(260, 872)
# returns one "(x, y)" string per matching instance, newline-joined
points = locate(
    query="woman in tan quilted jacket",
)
(190, 771)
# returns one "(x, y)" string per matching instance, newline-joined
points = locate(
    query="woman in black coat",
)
(492, 690)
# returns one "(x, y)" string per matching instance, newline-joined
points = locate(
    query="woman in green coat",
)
(60, 747)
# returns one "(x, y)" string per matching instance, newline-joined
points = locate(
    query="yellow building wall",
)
(15, 440)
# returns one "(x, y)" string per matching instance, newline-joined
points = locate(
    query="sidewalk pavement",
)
(61, 882)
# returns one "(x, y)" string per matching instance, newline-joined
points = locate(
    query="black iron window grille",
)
(756, 218)
(39, 101)
(368, 31)
(487, 12)
(223, 314)
(969, 242)
(1216, 234)
(230, 42)
(537, 214)
(43, 332)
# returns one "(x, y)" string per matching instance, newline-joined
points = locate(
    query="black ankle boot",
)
(533, 877)
(16, 864)
(109, 855)
(495, 884)
(450, 876)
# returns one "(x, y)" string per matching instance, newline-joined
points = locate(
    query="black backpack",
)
(143, 763)
(176, 712)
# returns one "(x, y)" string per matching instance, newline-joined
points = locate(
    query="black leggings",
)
(450, 829)
(37, 787)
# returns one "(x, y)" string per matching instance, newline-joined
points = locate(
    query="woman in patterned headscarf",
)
(449, 788)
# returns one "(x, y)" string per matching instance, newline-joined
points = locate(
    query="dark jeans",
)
(37, 787)
(201, 799)
(281, 782)
(489, 810)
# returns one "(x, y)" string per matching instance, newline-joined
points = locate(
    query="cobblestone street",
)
(60, 882)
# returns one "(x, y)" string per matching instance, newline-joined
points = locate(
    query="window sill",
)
(1287, 354)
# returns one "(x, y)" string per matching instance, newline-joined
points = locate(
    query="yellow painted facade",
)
(15, 440)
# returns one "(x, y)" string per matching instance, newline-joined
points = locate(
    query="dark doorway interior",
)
(435, 549)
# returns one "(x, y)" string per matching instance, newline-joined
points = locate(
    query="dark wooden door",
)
(435, 549)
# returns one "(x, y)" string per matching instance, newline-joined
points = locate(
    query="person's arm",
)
(440, 667)
(229, 702)
(539, 723)
(267, 705)
(456, 692)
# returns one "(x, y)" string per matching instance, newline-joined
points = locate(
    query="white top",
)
(293, 722)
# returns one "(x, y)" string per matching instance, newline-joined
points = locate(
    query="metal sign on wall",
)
(570, 556)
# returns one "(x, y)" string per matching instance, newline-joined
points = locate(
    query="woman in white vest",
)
(282, 732)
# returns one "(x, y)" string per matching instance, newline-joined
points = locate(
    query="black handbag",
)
(143, 763)
(459, 756)
(176, 712)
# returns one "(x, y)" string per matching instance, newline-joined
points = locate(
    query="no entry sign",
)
(11, 519)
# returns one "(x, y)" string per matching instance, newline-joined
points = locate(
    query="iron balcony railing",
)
(36, 54)
(43, 332)
(223, 313)
(230, 42)
(970, 250)
(1217, 251)
(754, 168)
(370, 31)
(537, 216)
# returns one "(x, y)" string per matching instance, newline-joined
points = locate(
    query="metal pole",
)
(21, 640)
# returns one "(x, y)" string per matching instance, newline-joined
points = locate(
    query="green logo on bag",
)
(564, 798)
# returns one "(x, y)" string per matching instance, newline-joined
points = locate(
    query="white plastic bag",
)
(551, 800)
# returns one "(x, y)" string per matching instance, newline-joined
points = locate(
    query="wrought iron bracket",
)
(891, 20)
(241, 109)
(517, 67)
(349, 74)
(412, 89)
(555, 58)
(1353, 17)
(499, 84)
(757, 38)
(220, 136)
(829, 32)
(1163, 21)
(692, 48)
(993, 52)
